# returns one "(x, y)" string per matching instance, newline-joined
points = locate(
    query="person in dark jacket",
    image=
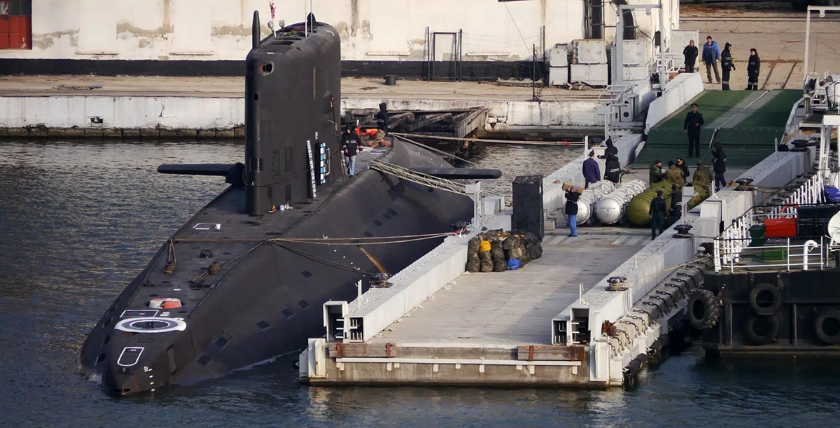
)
(726, 65)
(711, 54)
(572, 209)
(350, 145)
(591, 170)
(719, 161)
(690, 53)
(753, 68)
(683, 167)
(656, 174)
(658, 211)
(693, 122)
(612, 168)
(382, 118)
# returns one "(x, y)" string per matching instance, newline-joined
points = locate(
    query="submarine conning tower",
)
(289, 154)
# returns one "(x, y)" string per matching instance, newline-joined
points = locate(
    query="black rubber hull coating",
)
(459, 173)
(196, 169)
(266, 297)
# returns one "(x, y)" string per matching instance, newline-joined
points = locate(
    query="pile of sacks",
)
(498, 251)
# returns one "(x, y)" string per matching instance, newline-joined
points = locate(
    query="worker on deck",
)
(675, 175)
(591, 170)
(657, 213)
(684, 168)
(350, 145)
(702, 175)
(693, 122)
(571, 210)
(382, 118)
(719, 161)
(656, 172)
(612, 168)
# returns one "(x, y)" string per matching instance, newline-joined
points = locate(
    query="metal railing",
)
(730, 245)
(791, 256)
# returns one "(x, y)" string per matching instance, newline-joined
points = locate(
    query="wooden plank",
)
(428, 120)
(358, 350)
(550, 353)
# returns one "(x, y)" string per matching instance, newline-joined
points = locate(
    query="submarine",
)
(245, 279)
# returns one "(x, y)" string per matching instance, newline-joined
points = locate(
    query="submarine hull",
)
(247, 284)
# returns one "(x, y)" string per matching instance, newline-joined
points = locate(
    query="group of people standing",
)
(710, 56)
(612, 166)
(592, 174)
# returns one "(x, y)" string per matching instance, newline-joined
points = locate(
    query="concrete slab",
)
(513, 307)
(774, 30)
(234, 87)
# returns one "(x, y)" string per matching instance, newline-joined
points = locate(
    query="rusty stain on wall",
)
(167, 16)
(354, 17)
(231, 30)
(47, 40)
(342, 29)
(125, 26)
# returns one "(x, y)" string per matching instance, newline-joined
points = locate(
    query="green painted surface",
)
(745, 144)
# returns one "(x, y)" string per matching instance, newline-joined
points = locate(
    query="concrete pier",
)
(490, 328)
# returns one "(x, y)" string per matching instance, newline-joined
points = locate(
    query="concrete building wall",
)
(371, 30)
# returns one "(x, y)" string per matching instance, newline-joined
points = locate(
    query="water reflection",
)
(78, 221)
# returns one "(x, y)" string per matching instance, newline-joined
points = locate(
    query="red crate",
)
(784, 227)
(4, 24)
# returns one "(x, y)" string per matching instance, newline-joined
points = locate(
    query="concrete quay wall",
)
(224, 117)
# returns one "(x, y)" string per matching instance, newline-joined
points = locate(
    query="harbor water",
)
(79, 220)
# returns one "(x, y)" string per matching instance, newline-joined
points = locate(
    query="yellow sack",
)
(484, 247)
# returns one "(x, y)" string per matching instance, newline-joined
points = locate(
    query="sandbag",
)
(507, 244)
(473, 266)
(497, 252)
(499, 265)
(516, 253)
(513, 264)
(484, 247)
(473, 245)
(487, 266)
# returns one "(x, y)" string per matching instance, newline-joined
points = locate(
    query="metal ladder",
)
(418, 177)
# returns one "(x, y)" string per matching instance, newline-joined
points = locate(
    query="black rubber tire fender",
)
(760, 308)
(769, 336)
(702, 309)
(819, 325)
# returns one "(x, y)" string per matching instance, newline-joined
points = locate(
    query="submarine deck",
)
(515, 307)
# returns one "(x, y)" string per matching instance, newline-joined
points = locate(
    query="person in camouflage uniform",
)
(656, 172)
(702, 175)
(675, 175)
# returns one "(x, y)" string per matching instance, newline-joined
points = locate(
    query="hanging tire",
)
(765, 299)
(828, 326)
(702, 309)
(762, 330)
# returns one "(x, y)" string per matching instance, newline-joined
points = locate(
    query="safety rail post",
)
(788, 254)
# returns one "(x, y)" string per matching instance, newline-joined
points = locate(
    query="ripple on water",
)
(79, 220)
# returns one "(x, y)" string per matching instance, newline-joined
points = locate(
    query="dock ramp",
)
(748, 123)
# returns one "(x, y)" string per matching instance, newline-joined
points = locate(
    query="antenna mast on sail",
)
(307, 10)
